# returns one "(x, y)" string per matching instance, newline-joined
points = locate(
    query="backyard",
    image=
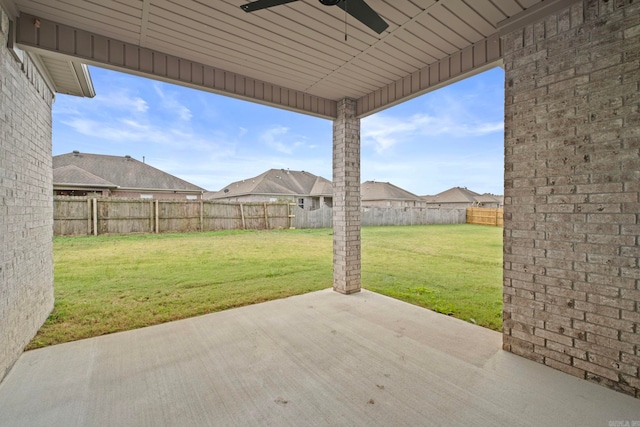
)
(105, 284)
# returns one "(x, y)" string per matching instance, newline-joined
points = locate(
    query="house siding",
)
(393, 203)
(451, 205)
(160, 195)
(572, 183)
(310, 202)
(26, 202)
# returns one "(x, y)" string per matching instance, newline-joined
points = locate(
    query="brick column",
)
(572, 192)
(26, 202)
(346, 199)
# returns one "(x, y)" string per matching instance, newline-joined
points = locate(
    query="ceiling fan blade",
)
(363, 13)
(263, 4)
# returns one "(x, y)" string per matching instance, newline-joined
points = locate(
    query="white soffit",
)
(292, 56)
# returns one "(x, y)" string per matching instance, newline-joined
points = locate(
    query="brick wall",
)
(346, 199)
(572, 183)
(26, 203)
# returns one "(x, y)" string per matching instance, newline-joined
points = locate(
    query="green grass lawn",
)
(106, 284)
(451, 269)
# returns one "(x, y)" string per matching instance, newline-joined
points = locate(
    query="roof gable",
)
(373, 190)
(322, 187)
(124, 172)
(73, 175)
(462, 195)
(277, 182)
(453, 195)
(487, 198)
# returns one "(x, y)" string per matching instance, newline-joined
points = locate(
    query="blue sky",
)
(450, 137)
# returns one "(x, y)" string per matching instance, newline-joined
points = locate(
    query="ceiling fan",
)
(356, 8)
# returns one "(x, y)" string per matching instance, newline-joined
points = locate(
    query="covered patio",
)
(571, 217)
(315, 359)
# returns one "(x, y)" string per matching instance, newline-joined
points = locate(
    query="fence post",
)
(95, 217)
(266, 217)
(151, 225)
(157, 210)
(290, 215)
(201, 215)
(242, 216)
(88, 217)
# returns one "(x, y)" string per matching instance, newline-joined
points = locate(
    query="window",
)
(146, 196)
(190, 197)
(301, 202)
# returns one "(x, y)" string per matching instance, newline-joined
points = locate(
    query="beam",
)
(49, 38)
(535, 13)
(478, 57)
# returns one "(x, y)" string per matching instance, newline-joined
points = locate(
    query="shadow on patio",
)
(315, 359)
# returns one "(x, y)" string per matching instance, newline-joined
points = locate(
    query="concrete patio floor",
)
(317, 359)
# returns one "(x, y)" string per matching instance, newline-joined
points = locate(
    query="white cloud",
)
(170, 102)
(104, 103)
(122, 101)
(128, 131)
(274, 137)
(450, 112)
(385, 131)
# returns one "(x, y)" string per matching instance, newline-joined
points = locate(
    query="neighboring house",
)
(305, 189)
(82, 174)
(70, 180)
(488, 200)
(385, 194)
(461, 197)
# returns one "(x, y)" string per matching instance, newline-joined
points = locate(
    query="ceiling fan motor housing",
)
(359, 9)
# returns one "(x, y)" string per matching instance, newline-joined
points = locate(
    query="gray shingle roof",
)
(373, 190)
(125, 172)
(462, 195)
(73, 175)
(275, 182)
(487, 198)
(322, 187)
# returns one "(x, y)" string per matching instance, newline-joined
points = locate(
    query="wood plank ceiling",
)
(301, 46)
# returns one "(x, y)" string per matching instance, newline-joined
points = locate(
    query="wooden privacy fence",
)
(376, 215)
(85, 216)
(485, 216)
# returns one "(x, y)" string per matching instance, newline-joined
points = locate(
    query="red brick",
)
(559, 338)
(614, 344)
(598, 309)
(571, 370)
(595, 369)
(570, 351)
(590, 347)
(550, 354)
